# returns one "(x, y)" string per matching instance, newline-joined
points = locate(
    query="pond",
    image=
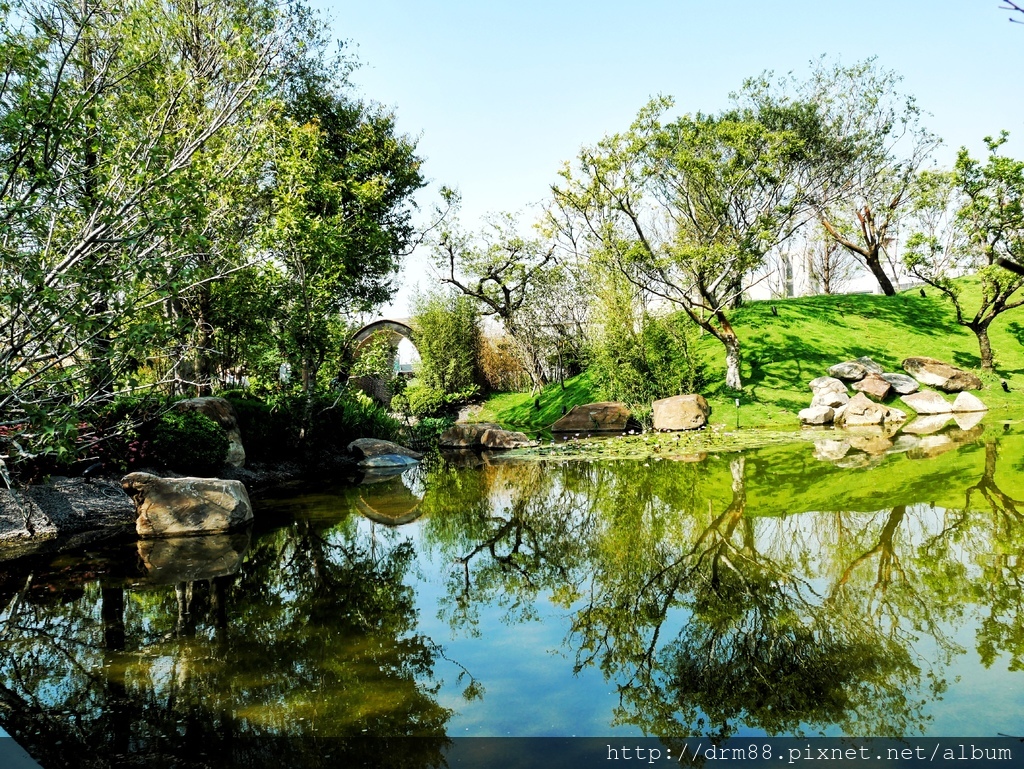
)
(799, 589)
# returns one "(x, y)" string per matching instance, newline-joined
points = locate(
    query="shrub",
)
(501, 366)
(448, 340)
(643, 361)
(190, 442)
(424, 435)
(267, 432)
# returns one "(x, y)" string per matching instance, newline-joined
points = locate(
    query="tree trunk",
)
(732, 361)
(875, 265)
(984, 346)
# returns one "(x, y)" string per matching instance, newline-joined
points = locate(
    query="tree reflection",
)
(713, 618)
(311, 647)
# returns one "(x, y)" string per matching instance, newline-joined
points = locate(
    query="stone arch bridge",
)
(395, 330)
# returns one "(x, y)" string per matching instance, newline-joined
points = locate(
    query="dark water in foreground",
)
(792, 590)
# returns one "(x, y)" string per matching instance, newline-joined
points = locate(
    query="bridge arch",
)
(395, 328)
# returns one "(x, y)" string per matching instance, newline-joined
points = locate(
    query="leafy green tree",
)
(972, 221)
(103, 119)
(340, 215)
(686, 209)
(867, 143)
(447, 336)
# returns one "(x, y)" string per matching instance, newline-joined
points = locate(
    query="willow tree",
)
(686, 209)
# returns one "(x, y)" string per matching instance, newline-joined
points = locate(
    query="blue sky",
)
(500, 94)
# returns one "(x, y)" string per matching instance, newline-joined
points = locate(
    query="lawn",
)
(782, 352)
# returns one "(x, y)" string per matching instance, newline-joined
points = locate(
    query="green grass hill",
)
(783, 352)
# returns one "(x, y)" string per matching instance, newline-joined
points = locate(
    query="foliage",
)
(447, 336)
(189, 442)
(295, 426)
(376, 358)
(640, 360)
(972, 219)
(421, 400)
(500, 365)
(424, 435)
(866, 145)
(516, 280)
(685, 209)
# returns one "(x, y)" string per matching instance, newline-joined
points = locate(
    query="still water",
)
(801, 589)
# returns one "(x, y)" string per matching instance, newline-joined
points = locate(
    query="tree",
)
(872, 147)
(972, 219)
(686, 209)
(506, 274)
(447, 336)
(340, 214)
(103, 117)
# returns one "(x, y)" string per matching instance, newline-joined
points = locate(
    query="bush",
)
(424, 435)
(189, 442)
(640, 365)
(501, 366)
(267, 433)
(421, 400)
(448, 340)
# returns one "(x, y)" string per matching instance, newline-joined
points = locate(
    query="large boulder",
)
(901, 383)
(941, 375)
(169, 507)
(817, 415)
(222, 412)
(967, 402)
(874, 386)
(367, 448)
(681, 412)
(825, 383)
(869, 365)
(483, 435)
(606, 416)
(830, 398)
(850, 371)
(861, 410)
(928, 402)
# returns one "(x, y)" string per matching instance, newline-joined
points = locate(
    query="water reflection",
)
(766, 592)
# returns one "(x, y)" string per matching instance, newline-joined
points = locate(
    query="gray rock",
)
(483, 435)
(965, 402)
(827, 383)
(169, 507)
(817, 415)
(606, 416)
(928, 402)
(869, 365)
(850, 371)
(365, 448)
(941, 376)
(681, 412)
(863, 411)
(901, 383)
(831, 398)
(388, 460)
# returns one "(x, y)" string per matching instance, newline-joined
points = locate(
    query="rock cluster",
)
(832, 404)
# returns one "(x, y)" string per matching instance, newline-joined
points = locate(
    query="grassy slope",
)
(782, 353)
